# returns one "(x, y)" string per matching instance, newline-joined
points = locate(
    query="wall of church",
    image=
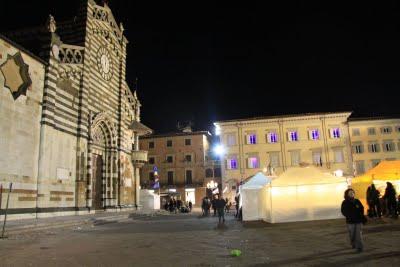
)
(57, 169)
(20, 129)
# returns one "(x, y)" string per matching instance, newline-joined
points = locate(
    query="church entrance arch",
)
(103, 167)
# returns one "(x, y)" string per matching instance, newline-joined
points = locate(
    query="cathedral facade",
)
(86, 145)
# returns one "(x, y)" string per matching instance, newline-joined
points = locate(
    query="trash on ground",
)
(236, 252)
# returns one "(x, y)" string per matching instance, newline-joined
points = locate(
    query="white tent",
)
(149, 200)
(253, 196)
(304, 194)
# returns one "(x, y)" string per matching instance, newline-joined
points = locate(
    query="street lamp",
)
(219, 150)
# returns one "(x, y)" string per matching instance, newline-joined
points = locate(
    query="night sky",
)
(204, 61)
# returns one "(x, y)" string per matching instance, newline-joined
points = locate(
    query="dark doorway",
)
(97, 182)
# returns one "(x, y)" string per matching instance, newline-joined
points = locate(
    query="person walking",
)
(390, 197)
(220, 206)
(353, 210)
(190, 206)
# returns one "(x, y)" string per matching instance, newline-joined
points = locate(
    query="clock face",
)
(104, 63)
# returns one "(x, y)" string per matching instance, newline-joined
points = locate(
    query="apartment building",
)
(184, 164)
(374, 140)
(273, 144)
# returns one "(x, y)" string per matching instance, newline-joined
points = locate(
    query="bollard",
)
(5, 213)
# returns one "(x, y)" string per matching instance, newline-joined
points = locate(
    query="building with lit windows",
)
(331, 141)
(184, 164)
(374, 140)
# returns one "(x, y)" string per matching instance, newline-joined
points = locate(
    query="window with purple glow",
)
(293, 136)
(232, 164)
(315, 134)
(336, 133)
(252, 139)
(253, 162)
(272, 138)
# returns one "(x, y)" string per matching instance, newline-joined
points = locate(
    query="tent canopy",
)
(257, 181)
(305, 176)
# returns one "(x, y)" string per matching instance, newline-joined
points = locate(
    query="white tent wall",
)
(304, 202)
(253, 204)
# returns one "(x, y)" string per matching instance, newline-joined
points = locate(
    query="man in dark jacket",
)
(390, 197)
(353, 210)
(220, 206)
(373, 201)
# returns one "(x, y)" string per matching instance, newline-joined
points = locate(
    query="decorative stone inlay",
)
(71, 54)
(16, 75)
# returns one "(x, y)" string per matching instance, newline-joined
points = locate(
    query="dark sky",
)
(203, 61)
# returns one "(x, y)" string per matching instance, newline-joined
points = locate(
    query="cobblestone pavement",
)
(191, 240)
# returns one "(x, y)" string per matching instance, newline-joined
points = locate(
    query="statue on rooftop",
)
(51, 24)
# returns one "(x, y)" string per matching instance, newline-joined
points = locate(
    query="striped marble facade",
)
(85, 114)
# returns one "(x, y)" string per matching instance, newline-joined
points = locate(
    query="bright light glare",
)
(338, 173)
(219, 150)
(217, 130)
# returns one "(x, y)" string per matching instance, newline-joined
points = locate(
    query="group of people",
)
(219, 206)
(353, 210)
(387, 205)
(175, 205)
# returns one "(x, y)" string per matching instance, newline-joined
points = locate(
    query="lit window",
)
(231, 164)
(335, 133)
(314, 134)
(252, 162)
(251, 139)
(293, 136)
(272, 137)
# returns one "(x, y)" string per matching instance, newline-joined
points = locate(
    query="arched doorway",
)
(97, 185)
(102, 148)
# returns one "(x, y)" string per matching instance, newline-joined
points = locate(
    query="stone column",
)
(137, 185)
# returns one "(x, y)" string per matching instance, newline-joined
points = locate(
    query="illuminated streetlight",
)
(219, 150)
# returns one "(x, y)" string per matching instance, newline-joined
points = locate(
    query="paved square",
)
(191, 240)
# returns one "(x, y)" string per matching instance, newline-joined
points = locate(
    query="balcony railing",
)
(139, 156)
